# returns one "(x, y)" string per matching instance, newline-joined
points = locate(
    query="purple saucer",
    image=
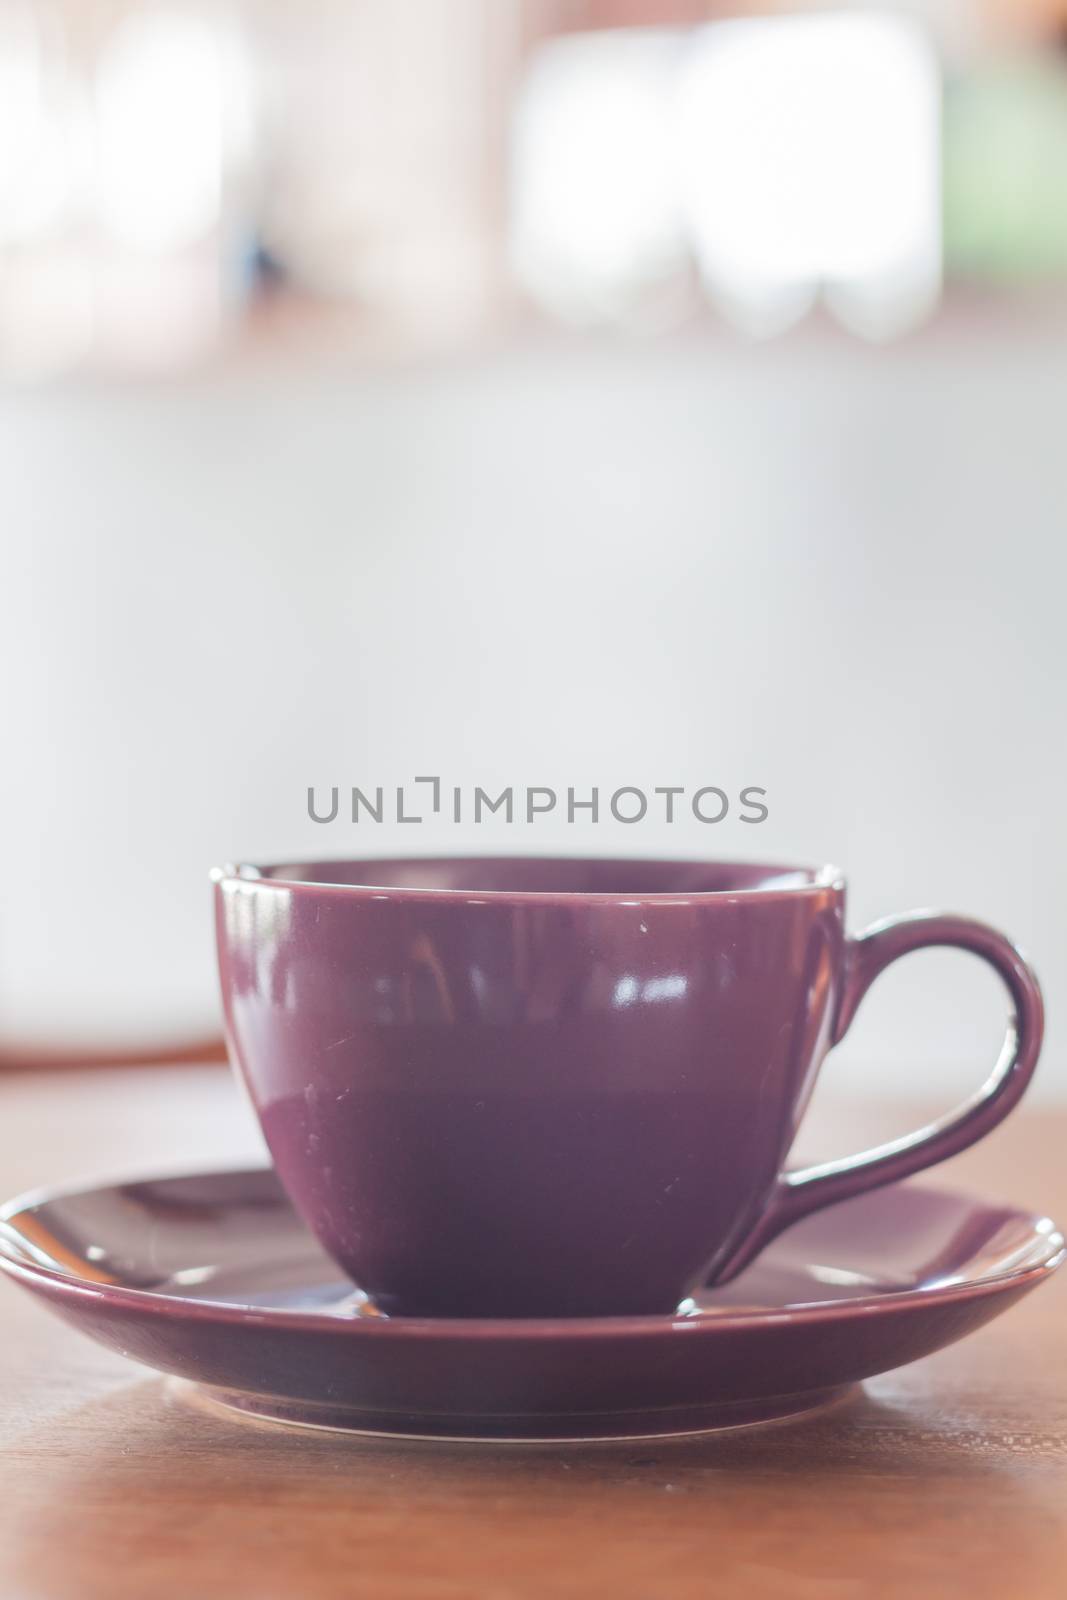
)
(215, 1279)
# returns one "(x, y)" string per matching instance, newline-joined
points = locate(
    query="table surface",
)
(946, 1478)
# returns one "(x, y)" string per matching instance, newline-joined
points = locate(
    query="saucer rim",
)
(158, 1302)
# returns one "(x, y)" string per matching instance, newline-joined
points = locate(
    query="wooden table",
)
(946, 1479)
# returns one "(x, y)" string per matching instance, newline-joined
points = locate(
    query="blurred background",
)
(532, 392)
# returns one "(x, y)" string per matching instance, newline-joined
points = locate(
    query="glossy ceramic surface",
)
(215, 1279)
(537, 1087)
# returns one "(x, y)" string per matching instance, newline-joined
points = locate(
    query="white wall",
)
(834, 572)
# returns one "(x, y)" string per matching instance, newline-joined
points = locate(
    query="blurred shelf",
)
(289, 336)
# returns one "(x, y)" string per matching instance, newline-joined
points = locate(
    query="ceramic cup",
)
(563, 1087)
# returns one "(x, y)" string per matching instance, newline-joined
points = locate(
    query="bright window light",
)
(790, 156)
(161, 126)
(810, 157)
(596, 217)
(35, 144)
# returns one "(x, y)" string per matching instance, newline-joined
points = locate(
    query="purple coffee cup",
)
(529, 1087)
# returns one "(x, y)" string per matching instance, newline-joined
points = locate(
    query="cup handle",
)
(806, 1189)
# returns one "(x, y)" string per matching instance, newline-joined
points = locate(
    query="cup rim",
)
(272, 875)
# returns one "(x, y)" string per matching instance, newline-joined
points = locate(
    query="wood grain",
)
(946, 1479)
